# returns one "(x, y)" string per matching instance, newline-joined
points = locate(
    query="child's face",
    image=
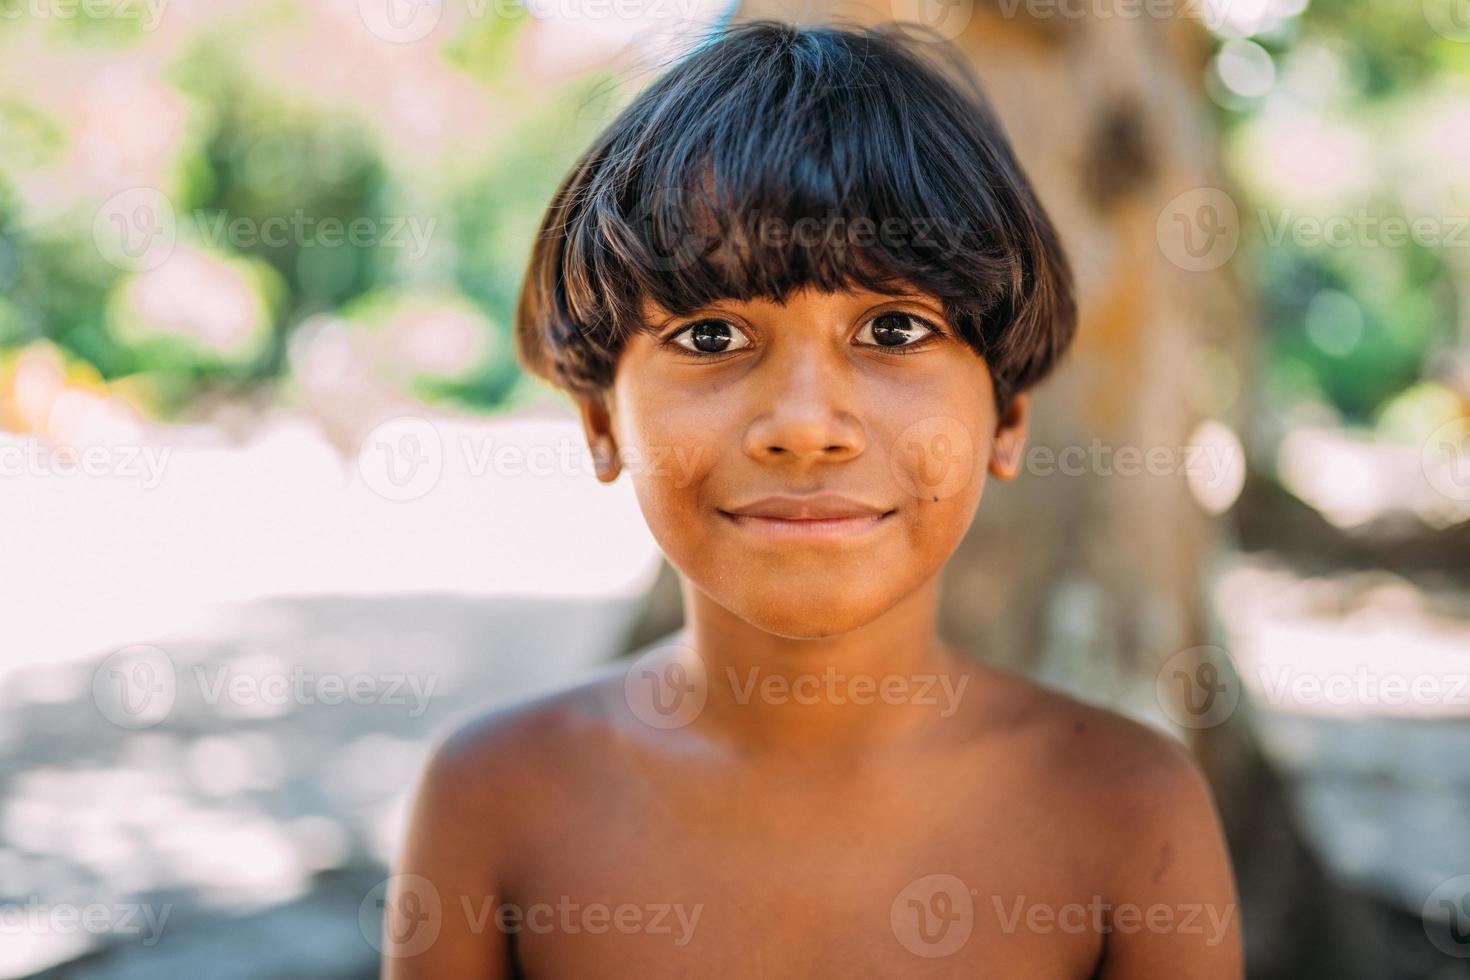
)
(796, 400)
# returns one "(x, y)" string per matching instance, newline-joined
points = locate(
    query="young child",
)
(800, 289)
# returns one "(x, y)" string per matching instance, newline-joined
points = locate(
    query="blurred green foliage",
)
(255, 156)
(1353, 324)
(1348, 327)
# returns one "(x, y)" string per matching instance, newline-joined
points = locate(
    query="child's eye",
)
(896, 332)
(707, 337)
(900, 333)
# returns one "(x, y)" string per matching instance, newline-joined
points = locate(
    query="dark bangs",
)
(775, 158)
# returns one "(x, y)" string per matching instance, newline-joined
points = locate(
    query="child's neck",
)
(882, 682)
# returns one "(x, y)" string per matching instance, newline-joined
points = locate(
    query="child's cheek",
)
(937, 457)
(670, 451)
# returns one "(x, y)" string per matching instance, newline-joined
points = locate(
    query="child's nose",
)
(806, 411)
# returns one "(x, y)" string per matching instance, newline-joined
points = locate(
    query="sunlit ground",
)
(243, 563)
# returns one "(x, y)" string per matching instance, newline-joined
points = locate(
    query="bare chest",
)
(728, 874)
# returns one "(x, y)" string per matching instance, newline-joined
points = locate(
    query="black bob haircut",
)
(775, 157)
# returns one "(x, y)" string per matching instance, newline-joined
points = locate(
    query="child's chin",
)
(802, 614)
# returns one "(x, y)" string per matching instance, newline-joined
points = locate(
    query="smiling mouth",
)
(808, 529)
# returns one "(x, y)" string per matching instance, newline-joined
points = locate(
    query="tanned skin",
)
(780, 823)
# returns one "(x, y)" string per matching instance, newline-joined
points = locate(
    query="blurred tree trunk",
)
(1092, 582)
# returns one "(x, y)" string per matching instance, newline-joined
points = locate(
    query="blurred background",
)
(277, 506)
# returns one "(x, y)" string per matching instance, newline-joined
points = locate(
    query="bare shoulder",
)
(493, 790)
(1121, 770)
(1138, 806)
(522, 742)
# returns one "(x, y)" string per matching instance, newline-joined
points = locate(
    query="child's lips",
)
(808, 529)
(811, 506)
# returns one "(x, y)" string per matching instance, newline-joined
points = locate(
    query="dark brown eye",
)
(710, 337)
(894, 330)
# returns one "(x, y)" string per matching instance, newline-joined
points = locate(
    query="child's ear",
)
(1010, 438)
(597, 425)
